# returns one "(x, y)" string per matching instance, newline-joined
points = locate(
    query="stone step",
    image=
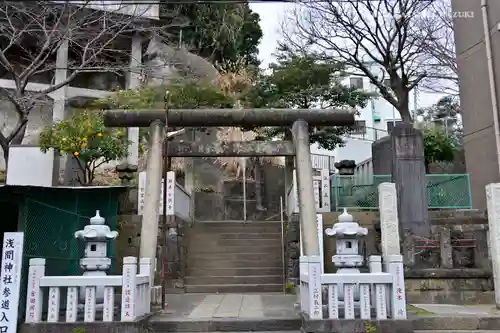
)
(233, 256)
(239, 230)
(290, 325)
(232, 280)
(206, 249)
(234, 288)
(238, 227)
(249, 243)
(245, 271)
(235, 235)
(197, 264)
(219, 223)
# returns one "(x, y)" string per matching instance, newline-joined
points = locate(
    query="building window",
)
(357, 82)
(390, 125)
(359, 127)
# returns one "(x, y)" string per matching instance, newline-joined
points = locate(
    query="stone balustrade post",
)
(389, 225)
(34, 296)
(129, 288)
(493, 204)
(445, 247)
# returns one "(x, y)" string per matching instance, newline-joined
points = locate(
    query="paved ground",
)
(452, 310)
(218, 306)
(244, 306)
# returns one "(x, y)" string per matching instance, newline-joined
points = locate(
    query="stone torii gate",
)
(299, 119)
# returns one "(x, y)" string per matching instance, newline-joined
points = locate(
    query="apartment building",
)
(374, 121)
(478, 111)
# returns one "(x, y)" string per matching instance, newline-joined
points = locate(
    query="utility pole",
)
(415, 103)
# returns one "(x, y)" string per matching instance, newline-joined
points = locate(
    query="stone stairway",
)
(234, 257)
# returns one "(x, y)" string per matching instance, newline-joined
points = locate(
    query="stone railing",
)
(135, 294)
(383, 291)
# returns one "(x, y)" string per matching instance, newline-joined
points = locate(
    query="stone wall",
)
(172, 237)
(292, 249)
(452, 266)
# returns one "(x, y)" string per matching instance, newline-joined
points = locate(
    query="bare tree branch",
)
(440, 47)
(98, 41)
(377, 38)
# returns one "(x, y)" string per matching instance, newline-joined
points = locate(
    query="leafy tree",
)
(438, 146)
(84, 138)
(446, 115)
(302, 81)
(221, 32)
(182, 94)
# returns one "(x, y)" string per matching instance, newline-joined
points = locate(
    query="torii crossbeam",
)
(299, 119)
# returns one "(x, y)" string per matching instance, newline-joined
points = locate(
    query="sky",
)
(271, 16)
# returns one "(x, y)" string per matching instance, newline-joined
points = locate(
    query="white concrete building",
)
(374, 121)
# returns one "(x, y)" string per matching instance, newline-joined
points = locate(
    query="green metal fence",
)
(49, 218)
(444, 191)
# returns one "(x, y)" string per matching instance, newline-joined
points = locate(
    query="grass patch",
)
(418, 311)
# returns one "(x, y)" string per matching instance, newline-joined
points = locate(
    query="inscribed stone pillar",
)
(493, 205)
(389, 227)
(382, 156)
(408, 173)
(446, 249)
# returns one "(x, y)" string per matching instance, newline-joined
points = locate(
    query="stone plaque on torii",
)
(298, 119)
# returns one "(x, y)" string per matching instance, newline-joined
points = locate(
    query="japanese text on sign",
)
(316, 186)
(142, 192)
(325, 188)
(170, 192)
(316, 291)
(10, 279)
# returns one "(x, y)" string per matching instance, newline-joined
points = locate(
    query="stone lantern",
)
(347, 259)
(95, 262)
(346, 167)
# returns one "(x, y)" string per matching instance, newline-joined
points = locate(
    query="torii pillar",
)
(299, 119)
